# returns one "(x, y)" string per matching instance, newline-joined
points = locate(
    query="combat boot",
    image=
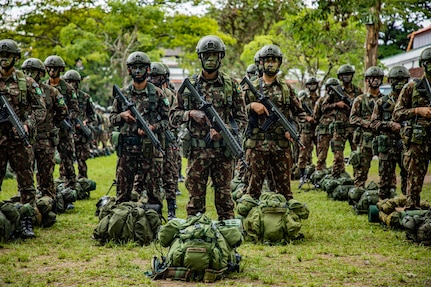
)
(171, 208)
(302, 177)
(27, 228)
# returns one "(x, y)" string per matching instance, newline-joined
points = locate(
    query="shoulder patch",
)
(61, 101)
(74, 95)
(238, 89)
(39, 91)
(166, 101)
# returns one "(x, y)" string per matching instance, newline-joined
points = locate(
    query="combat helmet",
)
(425, 56)
(302, 93)
(211, 43)
(251, 69)
(399, 72)
(55, 61)
(157, 68)
(271, 50)
(10, 46)
(345, 69)
(311, 80)
(374, 71)
(138, 58)
(332, 82)
(33, 63)
(72, 75)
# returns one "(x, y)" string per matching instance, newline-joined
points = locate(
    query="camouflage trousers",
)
(361, 172)
(306, 155)
(387, 167)
(170, 172)
(338, 143)
(274, 163)
(44, 150)
(82, 153)
(416, 160)
(349, 132)
(322, 150)
(66, 149)
(20, 159)
(148, 170)
(202, 164)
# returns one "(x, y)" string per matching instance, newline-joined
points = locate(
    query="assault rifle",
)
(274, 114)
(337, 90)
(141, 121)
(215, 119)
(66, 125)
(8, 114)
(307, 109)
(85, 129)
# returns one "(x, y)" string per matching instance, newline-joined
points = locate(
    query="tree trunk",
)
(372, 40)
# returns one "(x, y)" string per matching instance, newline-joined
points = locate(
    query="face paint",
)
(271, 66)
(139, 73)
(374, 82)
(427, 67)
(33, 73)
(7, 61)
(346, 78)
(210, 61)
(312, 87)
(157, 80)
(397, 84)
(53, 72)
(74, 84)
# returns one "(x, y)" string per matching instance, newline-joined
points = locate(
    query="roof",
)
(406, 59)
(413, 34)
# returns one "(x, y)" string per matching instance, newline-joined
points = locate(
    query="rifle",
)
(141, 121)
(85, 130)
(10, 115)
(343, 97)
(275, 114)
(66, 125)
(216, 121)
(307, 109)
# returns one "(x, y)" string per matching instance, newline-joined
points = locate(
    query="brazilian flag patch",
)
(166, 101)
(238, 89)
(38, 91)
(61, 102)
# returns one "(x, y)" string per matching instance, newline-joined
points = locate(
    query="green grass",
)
(340, 248)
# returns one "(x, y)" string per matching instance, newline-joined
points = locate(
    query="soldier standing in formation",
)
(213, 159)
(47, 131)
(413, 109)
(360, 116)
(390, 146)
(26, 99)
(274, 145)
(66, 148)
(86, 115)
(137, 155)
(308, 137)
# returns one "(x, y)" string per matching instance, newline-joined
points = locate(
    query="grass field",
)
(340, 248)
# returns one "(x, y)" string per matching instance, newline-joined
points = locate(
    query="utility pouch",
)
(418, 134)
(383, 143)
(54, 136)
(357, 134)
(339, 127)
(406, 134)
(367, 140)
(323, 129)
(147, 148)
(186, 142)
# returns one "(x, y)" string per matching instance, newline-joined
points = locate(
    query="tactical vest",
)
(388, 105)
(366, 108)
(419, 97)
(152, 99)
(227, 88)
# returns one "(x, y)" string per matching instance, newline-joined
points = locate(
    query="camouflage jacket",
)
(323, 118)
(381, 119)
(56, 110)
(352, 91)
(412, 95)
(26, 99)
(362, 109)
(70, 97)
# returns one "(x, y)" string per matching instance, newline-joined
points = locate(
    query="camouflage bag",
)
(341, 192)
(85, 187)
(355, 194)
(245, 204)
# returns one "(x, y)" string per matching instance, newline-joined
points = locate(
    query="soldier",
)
(54, 66)
(252, 72)
(345, 74)
(274, 145)
(47, 132)
(26, 100)
(170, 162)
(413, 109)
(137, 155)
(390, 146)
(86, 116)
(308, 138)
(213, 159)
(324, 119)
(360, 116)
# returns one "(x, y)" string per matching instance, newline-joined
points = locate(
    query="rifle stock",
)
(141, 121)
(85, 129)
(343, 97)
(307, 109)
(275, 114)
(14, 120)
(216, 121)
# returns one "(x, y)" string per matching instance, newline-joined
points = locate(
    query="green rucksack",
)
(271, 222)
(9, 220)
(126, 222)
(84, 186)
(341, 192)
(369, 197)
(199, 249)
(245, 204)
(354, 195)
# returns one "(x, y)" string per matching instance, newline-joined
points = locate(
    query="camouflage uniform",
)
(66, 146)
(137, 154)
(205, 161)
(26, 99)
(82, 143)
(417, 131)
(338, 130)
(269, 153)
(390, 146)
(308, 137)
(352, 92)
(322, 133)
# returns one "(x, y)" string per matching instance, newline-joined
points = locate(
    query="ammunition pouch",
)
(357, 135)
(419, 134)
(147, 148)
(367, 140)
(186, 142)
(307, 128)
(384, 143)
(277, 136)
(323, 129)
(54, 136)
(337, 126)
(406, 133)
(337, 146)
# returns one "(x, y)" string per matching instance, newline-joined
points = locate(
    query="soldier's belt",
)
(44, 135)
(196, 142)
(267, 136)
(132, 140)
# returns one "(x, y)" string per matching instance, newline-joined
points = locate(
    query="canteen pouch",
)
(418, 134)
(323, 129)
(383, 143)
(367, 140)
(147, 148)
(357, 134)
(339, 127)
